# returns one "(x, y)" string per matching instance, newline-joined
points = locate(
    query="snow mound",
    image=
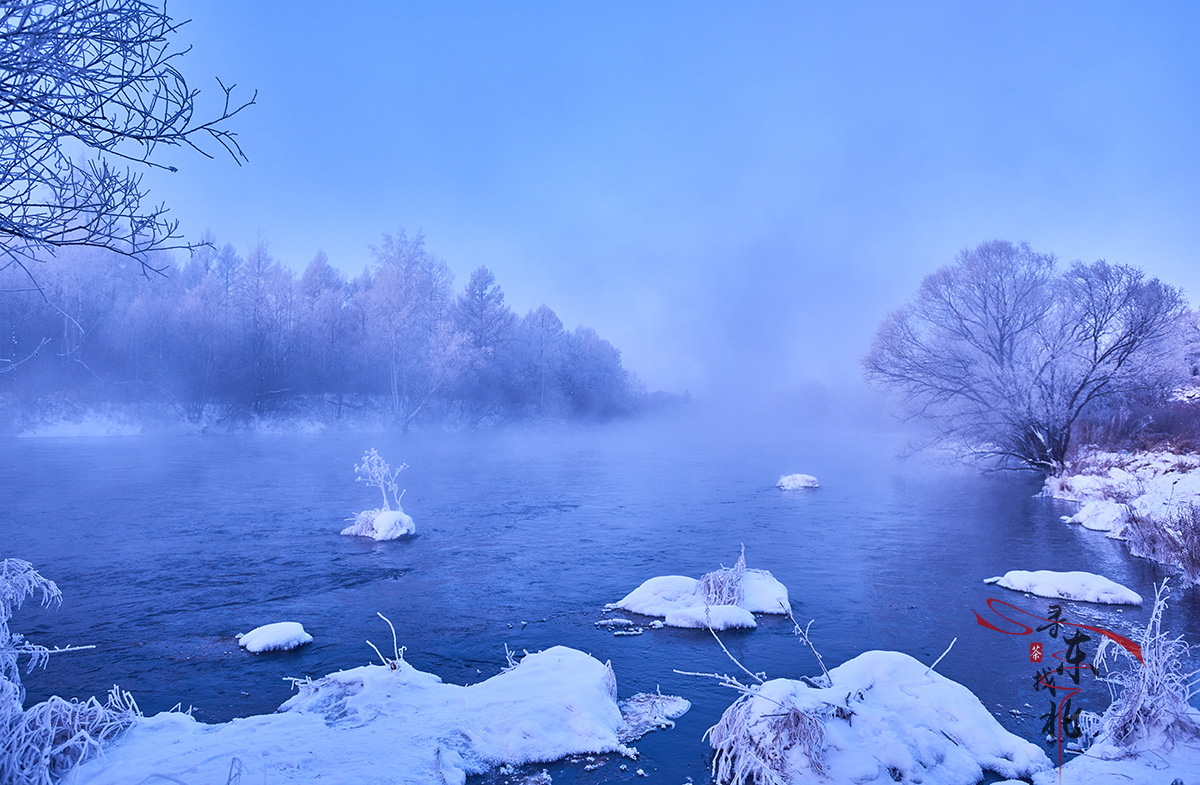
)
(794, 482)
(381, 525)
(1076, 585)
(885, 718)
(720, 600)
(1100, 515)
(280, 636)
(388, 724)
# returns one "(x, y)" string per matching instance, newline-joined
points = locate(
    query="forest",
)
(224, 338)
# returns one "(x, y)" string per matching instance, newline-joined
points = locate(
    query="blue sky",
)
(733, 196)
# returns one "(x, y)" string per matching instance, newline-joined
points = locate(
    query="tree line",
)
(1006, 353)
(237, 335)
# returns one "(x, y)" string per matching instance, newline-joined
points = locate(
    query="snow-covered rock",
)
(794, 482)
(681, 602)
(280, 636)
(389, 725)
(1074, 585)
(381, 525)
(885, 718)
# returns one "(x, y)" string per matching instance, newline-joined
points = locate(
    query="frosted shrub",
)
(1173, 540)
(750, 746)
(724, 586)
(41, 744)
(1153, 707)
(374, 470)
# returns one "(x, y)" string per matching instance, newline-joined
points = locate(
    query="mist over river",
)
(165, 547)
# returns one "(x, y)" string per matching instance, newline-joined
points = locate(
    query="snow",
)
(1152, 484)
(717, 617)
(381, 525)
(794, 482)
(678, 600)
(395, 724)
(1075, 585)
(1103, 763)
(886, 717)
(1100, 515)
(280, 636)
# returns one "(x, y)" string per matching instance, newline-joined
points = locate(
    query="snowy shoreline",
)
(1151, 500)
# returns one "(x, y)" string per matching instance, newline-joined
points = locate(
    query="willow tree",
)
(1003, 352)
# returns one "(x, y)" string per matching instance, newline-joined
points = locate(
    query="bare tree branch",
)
(98, 78)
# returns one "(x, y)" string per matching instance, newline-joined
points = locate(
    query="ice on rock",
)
(381, 525)
(1100, 515)
(280, 636)
(794, 482)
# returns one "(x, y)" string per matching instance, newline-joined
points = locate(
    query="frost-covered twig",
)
(939, 659)
(397, 650)
(758, 677)
(803, 633)
(750, 746)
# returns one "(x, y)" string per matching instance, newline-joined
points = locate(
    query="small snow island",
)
(280, 636)
(386, 522)
(1074, 585)
(720, 600)
(796, 482)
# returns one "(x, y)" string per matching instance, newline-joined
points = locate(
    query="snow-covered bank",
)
(722, 599)
(1149, 499)
(395, 724)
(1075, 585)
(884, 718)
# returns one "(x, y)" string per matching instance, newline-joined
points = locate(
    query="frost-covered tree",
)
(487, 325)
(407, 322)
(542, 345)
(1003, 352)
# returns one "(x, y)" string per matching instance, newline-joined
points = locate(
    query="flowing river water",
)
(165, 547)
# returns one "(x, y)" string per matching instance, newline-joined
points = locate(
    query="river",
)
(165, 547)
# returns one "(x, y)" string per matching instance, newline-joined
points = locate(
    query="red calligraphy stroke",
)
(1124, 642)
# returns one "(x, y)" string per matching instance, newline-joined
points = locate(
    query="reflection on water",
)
(165, 548)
